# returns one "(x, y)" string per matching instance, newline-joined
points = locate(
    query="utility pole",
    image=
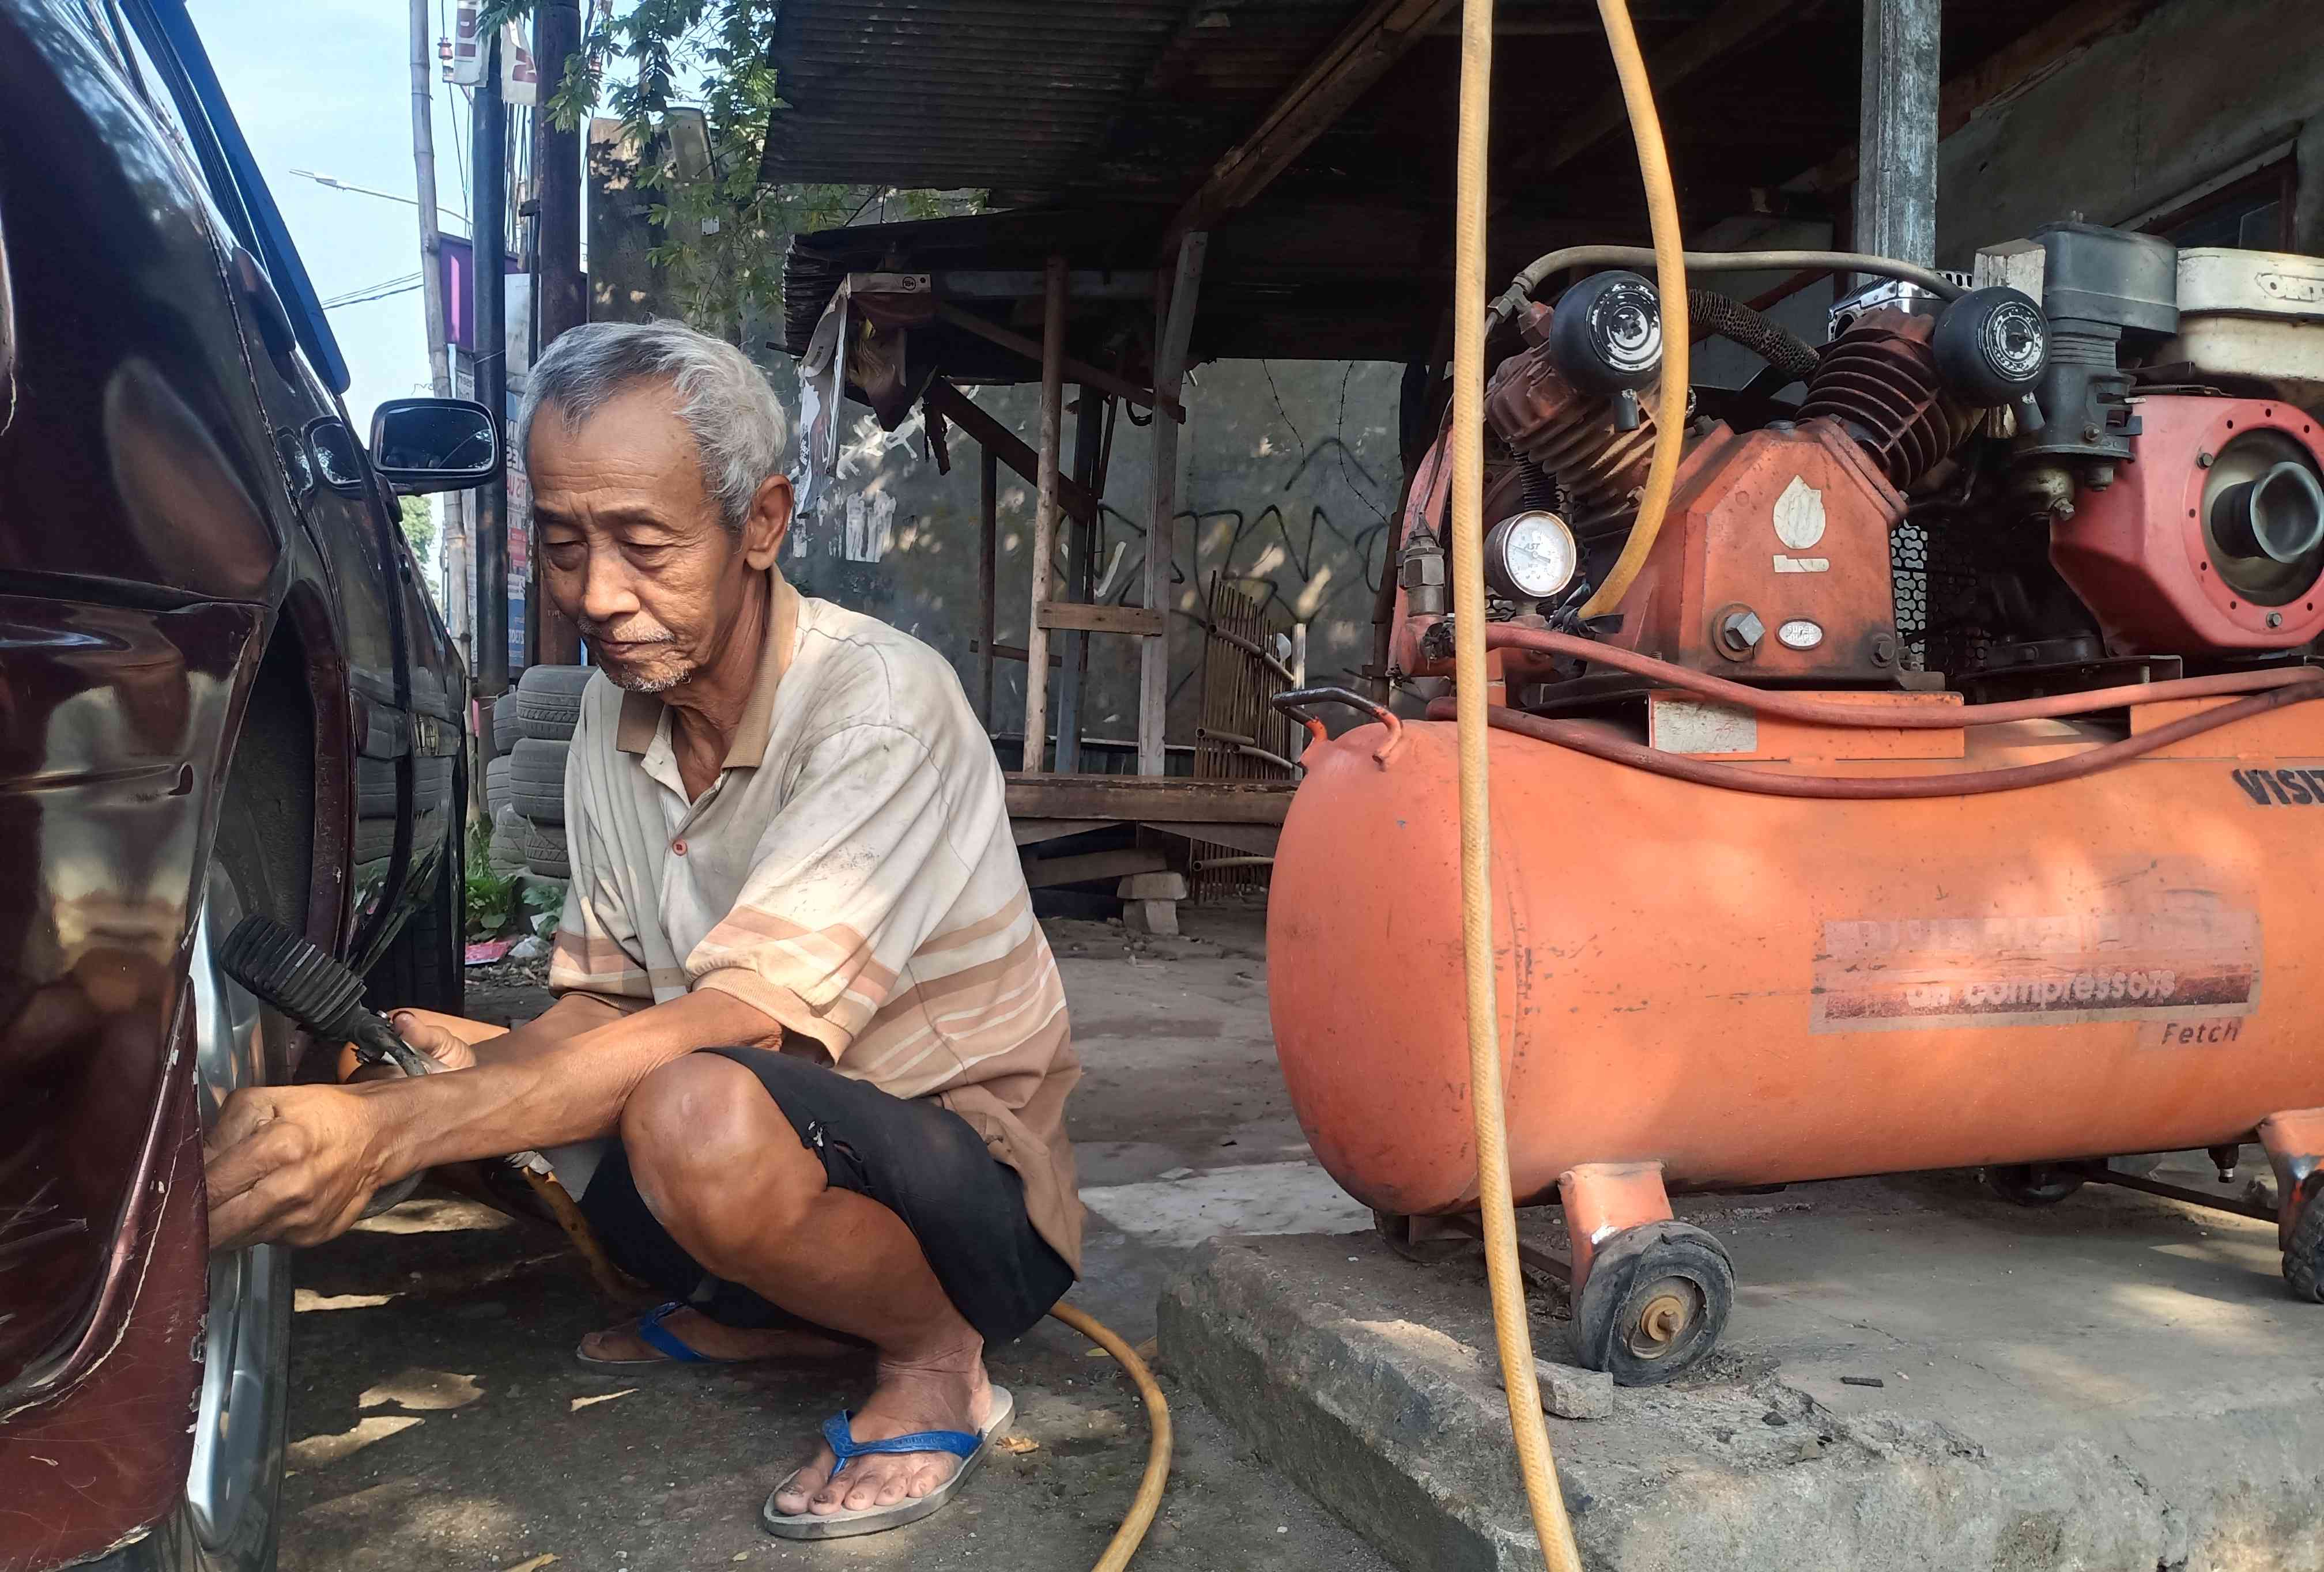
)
(559, 300)
(489, 229)
(452, 531)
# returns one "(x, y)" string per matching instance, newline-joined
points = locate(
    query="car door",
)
(340, 501)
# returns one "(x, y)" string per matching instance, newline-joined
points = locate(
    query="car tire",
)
(229, 1518)
(549, 701)
(537, 780)
(506, 854)
(545, 851)
(496, 787)
(507, 724)
(425, 964)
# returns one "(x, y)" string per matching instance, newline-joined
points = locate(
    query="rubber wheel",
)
(537, 780)
(545, 851)
(2031, 1184)
(508, 725)
(2303, 1257)
(1394, 1230)
(1654, 1304)
(229, 1519)
(549, 701)
(425, 964)
(496, 787)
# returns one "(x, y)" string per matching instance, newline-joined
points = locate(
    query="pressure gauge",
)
(1531, 556)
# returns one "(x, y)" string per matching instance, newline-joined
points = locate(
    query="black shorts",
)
(920, 1160)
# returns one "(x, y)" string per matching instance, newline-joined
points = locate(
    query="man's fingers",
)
(263, 1210)
(247, 1146)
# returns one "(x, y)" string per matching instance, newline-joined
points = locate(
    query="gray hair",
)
(737, 422)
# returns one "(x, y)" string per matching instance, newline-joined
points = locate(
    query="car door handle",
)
(264, 306)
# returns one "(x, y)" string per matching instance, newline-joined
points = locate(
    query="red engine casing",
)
(2135, 551)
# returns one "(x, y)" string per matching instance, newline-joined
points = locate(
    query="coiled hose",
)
(1762, 335)
(1497, 1204)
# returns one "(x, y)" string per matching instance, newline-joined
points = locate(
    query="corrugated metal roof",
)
(949, 93)
(1108, 114)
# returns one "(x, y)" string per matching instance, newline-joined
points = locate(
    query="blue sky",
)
(327, 87)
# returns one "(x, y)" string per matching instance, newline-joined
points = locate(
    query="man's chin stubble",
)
(645, 681)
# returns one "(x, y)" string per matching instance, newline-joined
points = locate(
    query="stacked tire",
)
(524, 786)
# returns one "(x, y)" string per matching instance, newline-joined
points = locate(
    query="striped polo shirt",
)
(850, 874)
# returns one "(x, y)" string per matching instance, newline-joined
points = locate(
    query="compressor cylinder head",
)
(1571, 432)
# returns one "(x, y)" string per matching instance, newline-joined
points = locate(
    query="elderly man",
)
(807, 1066)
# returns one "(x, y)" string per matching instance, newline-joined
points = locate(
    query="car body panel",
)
(174, 574)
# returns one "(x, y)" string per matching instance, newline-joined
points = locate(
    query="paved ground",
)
(1916, 1375)
(439, 1421)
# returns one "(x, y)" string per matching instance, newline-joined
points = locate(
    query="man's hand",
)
(294, 1165)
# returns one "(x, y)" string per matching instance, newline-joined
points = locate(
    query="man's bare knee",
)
(715, 1161)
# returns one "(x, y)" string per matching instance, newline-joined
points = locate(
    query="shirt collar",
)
(641, 713)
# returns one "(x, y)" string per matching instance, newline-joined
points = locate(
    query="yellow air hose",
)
(1148, 1499)
(1534, 1464)
(1670, 283)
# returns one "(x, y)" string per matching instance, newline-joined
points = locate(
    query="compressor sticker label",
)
(2185, 967)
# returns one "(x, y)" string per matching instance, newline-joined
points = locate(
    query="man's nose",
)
(605, 590)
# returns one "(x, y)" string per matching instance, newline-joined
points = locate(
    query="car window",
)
(161, 86)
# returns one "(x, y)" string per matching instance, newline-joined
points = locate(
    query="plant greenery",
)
(723, 235)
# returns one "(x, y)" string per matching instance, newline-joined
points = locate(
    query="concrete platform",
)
(2116, 1383)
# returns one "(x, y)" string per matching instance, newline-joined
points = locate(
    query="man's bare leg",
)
(444, 1037)
(720, 1167)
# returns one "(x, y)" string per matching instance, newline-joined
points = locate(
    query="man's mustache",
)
(614, 633)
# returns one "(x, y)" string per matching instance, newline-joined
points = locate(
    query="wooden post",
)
(1896, 132)
(1174, 327)
(1080, 580)
(988, 593)
(1045, 518)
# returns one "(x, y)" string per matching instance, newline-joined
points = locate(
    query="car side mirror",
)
(434, 444)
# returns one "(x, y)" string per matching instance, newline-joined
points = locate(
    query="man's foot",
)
(944, 1393)
(711, 1340)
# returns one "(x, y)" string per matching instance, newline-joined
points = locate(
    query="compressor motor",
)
(2101, 458)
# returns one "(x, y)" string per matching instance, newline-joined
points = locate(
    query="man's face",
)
(632, 547)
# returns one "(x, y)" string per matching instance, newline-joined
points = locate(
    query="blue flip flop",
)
(674, 1349)
(970, 1449)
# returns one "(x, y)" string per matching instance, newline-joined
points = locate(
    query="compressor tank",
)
(1755, 990)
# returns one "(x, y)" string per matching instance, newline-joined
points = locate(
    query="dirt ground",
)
(439, 1420)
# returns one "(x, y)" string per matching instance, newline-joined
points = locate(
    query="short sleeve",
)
(856, 870)
(596, 951)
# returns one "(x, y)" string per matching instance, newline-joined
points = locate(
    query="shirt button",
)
(679, 846)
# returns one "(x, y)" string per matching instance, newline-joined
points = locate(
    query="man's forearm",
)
(574, 1091)
(572, 1015)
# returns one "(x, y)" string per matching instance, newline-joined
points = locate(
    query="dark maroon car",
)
(222, 691)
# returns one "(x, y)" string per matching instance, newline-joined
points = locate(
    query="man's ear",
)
(769, 522)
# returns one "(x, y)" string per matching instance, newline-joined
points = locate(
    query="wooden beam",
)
(1896, 132)
(1082, 372)
(2006, 71)
(1081, 577)
(1048, 872)
(1102, 619)
(1005, 445)
(1357, 58)
(1131, 799)
(1000, 651)
(1708, 41)
(1173, 328)
(1045, 515)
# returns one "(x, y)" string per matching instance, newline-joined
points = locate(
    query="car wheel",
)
(537, 780)
(230, 1516)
